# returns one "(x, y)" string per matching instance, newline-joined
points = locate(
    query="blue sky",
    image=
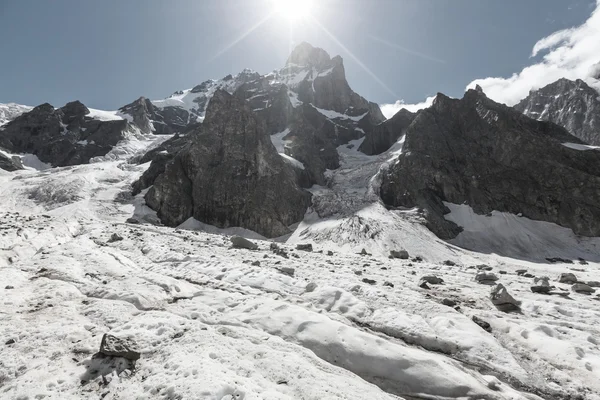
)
(107, 53)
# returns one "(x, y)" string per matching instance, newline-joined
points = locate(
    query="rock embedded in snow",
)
(448, 302)
(541, 285)
(483, 324)
(238, 242)
(503, 300)
(119, 347)
(593, 283)
(431, 279)
(582, 288)
(401, 254)
(304, 247)
(115, 237)
(567, 277)
(289, 271)
(486, 278)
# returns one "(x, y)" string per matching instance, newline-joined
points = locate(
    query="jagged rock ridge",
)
(491, 157)
(573, 105)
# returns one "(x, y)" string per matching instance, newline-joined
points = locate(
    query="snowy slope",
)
(10, 111)
(219, 323)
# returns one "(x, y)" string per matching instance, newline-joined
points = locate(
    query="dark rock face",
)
(119, 347)
(229, 175)
(151, 119)
(322, 82)
(10, 163)
(571, 104)
(491, 157)
(63, 136)
(383, 136)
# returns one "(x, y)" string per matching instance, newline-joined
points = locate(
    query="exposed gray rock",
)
(229, 175)
(287, 271)
(151, 119)
(573, 105)
(448, 302)
(567, 277)
(381, 137)
(593, 283)
(483, 324)
(477, 152)
(10, 163)
(503, 300)
(119, 347)
(401, 254)
(239, 242)
(541, 285)
(582, 288)
(62, 136)
(486, 278)
(115, 237)
(304, 247)
(432, 279)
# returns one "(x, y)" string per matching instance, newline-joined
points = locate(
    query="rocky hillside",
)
(491, 157)
(63, 136)
(230, 175)
(573, 105)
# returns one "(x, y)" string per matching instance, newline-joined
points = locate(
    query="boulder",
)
(483, 324)
(567, 277)
(304, 247)
(593, 283)
(486, 278)
(582, 288)
(10, 163)
(541, 285)
(119, 347)
(401, 254)
(238, 242)
(431, 279)
(503, 300)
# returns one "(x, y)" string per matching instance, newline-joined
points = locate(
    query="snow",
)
(279, 143)
(29, 161)
(10, 111)
(511, 235)
(582, 147)
(213, 322)
(334, 114)
(104, 115)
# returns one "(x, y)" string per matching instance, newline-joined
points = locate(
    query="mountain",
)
(573, 105)
(229, 175)
(381, 137)
(72, 134)
(491, 157)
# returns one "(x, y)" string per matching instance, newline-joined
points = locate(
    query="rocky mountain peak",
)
(306, 55)
(74, 109)
(573, 105)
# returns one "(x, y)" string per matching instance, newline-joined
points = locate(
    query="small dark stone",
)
(401, 254)
(388, 284)
(119, 347)
(256, 264)
(369, 281)
(520, 272)
(7, 287)
(483, 324)
(329, 252)
(528, 275)
(358, 272)
(10, 341)
(449, 263)
(287, 271)
(132, 221)
(502, 272)
(449, 302)
(115, 237)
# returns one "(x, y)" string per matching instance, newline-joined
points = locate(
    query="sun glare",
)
(293, 9)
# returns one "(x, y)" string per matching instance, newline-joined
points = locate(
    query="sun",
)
(293, 10)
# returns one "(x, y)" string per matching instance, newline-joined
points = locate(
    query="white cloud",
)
(572, 53)
(389, 110)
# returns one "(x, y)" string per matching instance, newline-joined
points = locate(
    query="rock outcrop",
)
(573, 105)
(491, 157)
(229, 175)
(9, 163)
(383, 136)
(62, 136)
